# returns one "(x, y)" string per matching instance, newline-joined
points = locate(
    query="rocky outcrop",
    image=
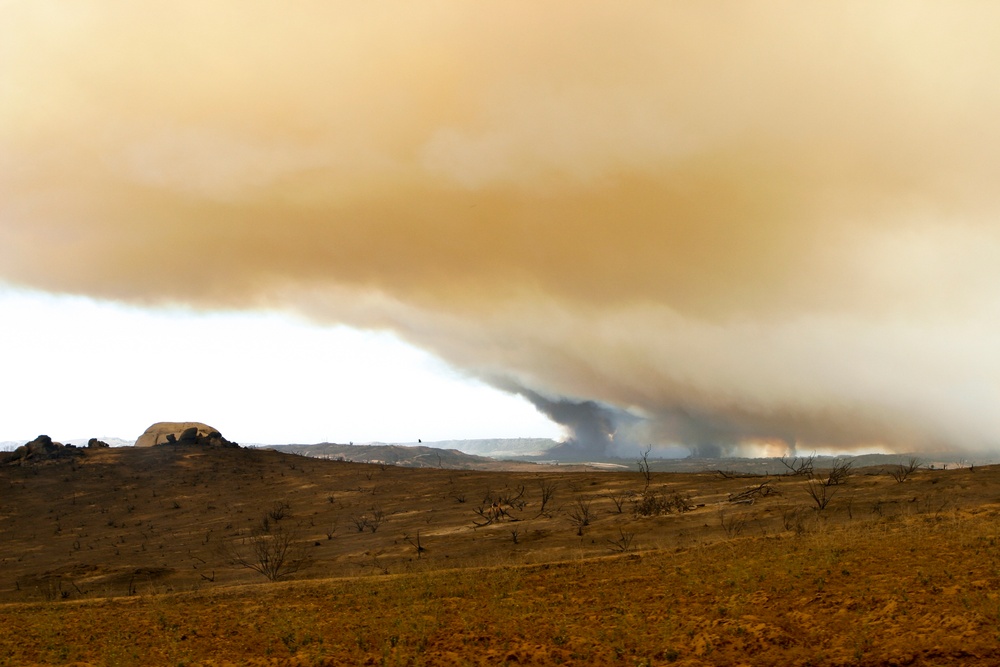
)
(94, 443)
(42, 448)
(182, 433)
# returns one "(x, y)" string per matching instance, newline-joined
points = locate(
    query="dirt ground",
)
(126, 556)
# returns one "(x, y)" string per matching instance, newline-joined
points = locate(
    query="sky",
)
(733, 228)
(84, 368)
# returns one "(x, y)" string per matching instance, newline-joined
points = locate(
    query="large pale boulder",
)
(181, 433)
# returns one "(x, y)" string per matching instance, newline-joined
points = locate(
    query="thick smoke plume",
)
(595, 430)
(751, 228)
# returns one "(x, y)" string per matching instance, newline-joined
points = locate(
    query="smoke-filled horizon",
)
(736, 229)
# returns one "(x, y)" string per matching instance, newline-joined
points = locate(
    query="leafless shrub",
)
(903, 471)
(619, 499)
(820, 493)
(624, 541)
(644, 469)
(269, 550)
(514, 533)
(489, 512)
(579, 516)
(370, 520)
(378, 516)
(374, 561)
(512, 498)
(548, 489)
(799, 465)
(279, 510)
(733, 524)
(360, 522)
(497, 506)
(652, 503)
(839, 473)
(415, 544)
(792, 519)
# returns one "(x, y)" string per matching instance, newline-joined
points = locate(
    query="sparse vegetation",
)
(820, 493)
(270, 550)
(644, 469)
(579, 516)
(751, 494)
(624, 541)
(548, 492)
(732, 524)
(799, 465)
(902, 472)
(510, 587)
(619, 498)
(415, 543)
(838, 473)
(655, 503)
(370, 520)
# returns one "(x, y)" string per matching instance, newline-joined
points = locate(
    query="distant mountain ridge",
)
(497, 448)
(410, 456)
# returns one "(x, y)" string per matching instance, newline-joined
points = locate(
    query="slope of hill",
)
(146, 556)
(412, 456)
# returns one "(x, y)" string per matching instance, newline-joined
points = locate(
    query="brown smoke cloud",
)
(711, 224)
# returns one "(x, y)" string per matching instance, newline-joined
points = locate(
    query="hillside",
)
(411, 456)
(130, 556)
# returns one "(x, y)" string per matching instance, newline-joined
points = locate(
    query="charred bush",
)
(655, 503)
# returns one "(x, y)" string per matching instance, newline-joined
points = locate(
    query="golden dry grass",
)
(890, 573)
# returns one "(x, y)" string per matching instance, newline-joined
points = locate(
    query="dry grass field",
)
(179, 555)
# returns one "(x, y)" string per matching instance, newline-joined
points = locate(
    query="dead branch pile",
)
(750, 495)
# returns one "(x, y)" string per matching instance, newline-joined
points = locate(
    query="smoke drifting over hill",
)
(745, 229)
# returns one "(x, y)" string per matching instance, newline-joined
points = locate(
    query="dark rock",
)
(190, 435)
(40, 449)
